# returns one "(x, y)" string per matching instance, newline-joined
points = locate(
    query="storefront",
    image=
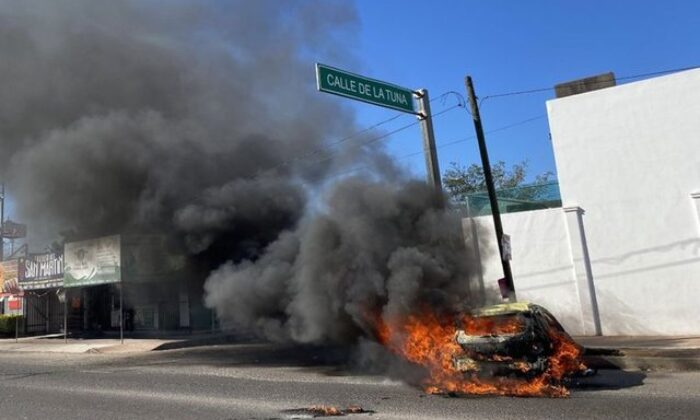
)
(41, 280)
(11, 296)
(137, 278)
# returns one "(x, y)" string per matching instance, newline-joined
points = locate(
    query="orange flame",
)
(428, 340)
(325, 410)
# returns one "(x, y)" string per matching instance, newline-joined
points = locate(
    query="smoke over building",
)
(123, 114)
(378, 249)
(200, 120)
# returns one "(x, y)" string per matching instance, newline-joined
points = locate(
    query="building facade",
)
(622, 255)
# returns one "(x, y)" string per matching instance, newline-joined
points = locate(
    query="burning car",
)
(520, 340)
(516, 349)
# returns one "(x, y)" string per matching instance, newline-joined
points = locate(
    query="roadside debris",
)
(324, 411)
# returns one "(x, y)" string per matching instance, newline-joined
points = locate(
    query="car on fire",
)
(520, 340)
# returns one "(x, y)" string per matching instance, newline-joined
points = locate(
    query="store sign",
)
(506, 247)
(92, 262)
(41, 271)
(12, 230)
(14, 305)
(9, 276)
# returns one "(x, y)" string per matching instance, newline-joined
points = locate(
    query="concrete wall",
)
(629, 156)
(542, 264)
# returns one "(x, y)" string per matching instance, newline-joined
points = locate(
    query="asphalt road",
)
(261, 381)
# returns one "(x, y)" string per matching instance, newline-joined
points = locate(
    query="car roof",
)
(502, 309)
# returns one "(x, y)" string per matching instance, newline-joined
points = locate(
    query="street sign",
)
(354, 86)
(507, 250)
(12, 230)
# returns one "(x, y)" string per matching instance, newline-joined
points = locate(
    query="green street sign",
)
(353, 86)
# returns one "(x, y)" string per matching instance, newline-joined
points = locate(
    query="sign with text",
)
(14, 305)
(12, 230)
(92, 262)
(343, 83)
(506, 247)
(41, 271)
(9, 276)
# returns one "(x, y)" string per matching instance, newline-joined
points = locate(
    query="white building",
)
(622, 257)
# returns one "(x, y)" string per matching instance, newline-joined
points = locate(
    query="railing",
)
(511, 200)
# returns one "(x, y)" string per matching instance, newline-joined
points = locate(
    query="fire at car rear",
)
(513, 349)
(522, 341)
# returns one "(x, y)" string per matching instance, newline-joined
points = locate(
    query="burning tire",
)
(518, 341)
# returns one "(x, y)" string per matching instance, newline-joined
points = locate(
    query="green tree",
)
(461, 181)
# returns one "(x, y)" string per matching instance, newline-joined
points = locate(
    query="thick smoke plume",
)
(376, 250)
(200, 119)
(181, 116)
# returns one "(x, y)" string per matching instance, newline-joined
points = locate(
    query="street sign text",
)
(340, 82)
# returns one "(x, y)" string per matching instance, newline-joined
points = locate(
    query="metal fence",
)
(511, 200)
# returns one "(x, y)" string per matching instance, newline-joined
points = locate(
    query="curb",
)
(676, 360)
(204, 341)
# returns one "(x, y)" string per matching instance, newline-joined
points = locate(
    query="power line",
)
(451, 143)
(385, 135)
(460, 102)
(323, 148)
(495, 130)
(262, 172)
(635, 76)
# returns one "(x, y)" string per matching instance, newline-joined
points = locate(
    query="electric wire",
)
(460, 102)
(472, 137)
(323, 148)
(261, 173)
(390, 133)
(444, 145)
(634, 76)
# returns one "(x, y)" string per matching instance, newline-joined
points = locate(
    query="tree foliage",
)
(460, 181)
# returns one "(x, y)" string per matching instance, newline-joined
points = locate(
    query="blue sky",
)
(509, 46)
(506, 46)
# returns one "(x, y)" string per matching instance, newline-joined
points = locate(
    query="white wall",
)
(630, 157)
(542, 264)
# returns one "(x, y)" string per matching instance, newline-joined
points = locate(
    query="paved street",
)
(256, 381)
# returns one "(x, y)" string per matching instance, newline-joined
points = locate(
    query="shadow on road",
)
(608, 380)
(343, 361)
(251, 353)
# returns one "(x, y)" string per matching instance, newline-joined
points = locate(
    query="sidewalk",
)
(651, 342)
(642, 353)
(72, 345)
(55, 343)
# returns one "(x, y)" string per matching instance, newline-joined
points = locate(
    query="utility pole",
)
(2, 221)
(426, 123)
(488, 177)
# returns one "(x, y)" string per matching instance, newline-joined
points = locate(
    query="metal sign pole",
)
(16, 329)
(121, 312)
(426, 123)
(65, 316)
(48, 316)
(488, 177)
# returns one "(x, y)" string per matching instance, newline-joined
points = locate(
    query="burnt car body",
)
(516, 340)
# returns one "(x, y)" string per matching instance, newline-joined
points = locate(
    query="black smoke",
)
(166, 116)
(376, 249)
(200, 119)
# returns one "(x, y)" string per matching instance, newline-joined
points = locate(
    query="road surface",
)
(259, 381)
